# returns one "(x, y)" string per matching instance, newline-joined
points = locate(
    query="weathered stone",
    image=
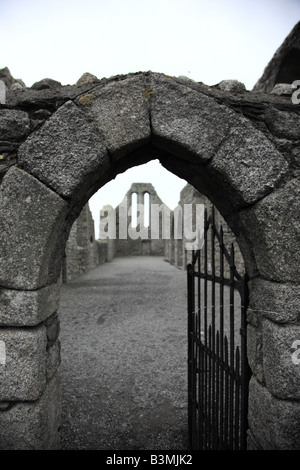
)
(66, 153)
(185, 80)
(274, 423)
(121, 111)
(281, 351)
(246, 166)
(6, 161)
(16, 86)
(82, 250)
(14, 125)
(48, 98)
(283, 124)
(86, 78)
(28, 308)
(40, 114)
(255, 351)
(33, 425)
(53, 360)
(248, 254)
(284, 67)
(282, 89)
(32, 218)
(46, 83)
(184, 121)
(234, 86)
(294, 160)
(8, 79)
(278, 302)
(23, 376)
(202, 134)
(273, 228)
(251, 444)
(4, 405)
(52, 329)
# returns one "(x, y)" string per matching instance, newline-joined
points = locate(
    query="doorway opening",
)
(125, 346)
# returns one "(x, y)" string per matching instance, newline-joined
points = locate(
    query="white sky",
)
(206, 40)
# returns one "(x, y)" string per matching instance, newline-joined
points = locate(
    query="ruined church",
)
(238, 148)
(84, 252)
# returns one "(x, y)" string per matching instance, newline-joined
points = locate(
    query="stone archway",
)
(238, 148)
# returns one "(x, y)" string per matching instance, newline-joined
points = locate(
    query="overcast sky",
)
(205, 40)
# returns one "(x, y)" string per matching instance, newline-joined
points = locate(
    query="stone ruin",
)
(83, 252)
(143, 245)
(238, 148)
(284, 68)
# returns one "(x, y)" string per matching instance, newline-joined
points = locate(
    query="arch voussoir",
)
(186, 122)
(271, 227)
(246, 167)
(32, 219)
(28, 308)
(120, 111)
(67, 153)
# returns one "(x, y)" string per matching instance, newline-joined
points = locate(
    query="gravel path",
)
(124, 357)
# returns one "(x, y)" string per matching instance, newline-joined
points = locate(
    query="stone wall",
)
(140, 242)
(175, 249)
(239, 148)
(11, 83)
(82, 251)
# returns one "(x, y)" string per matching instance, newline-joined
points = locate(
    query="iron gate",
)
(218, 371)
